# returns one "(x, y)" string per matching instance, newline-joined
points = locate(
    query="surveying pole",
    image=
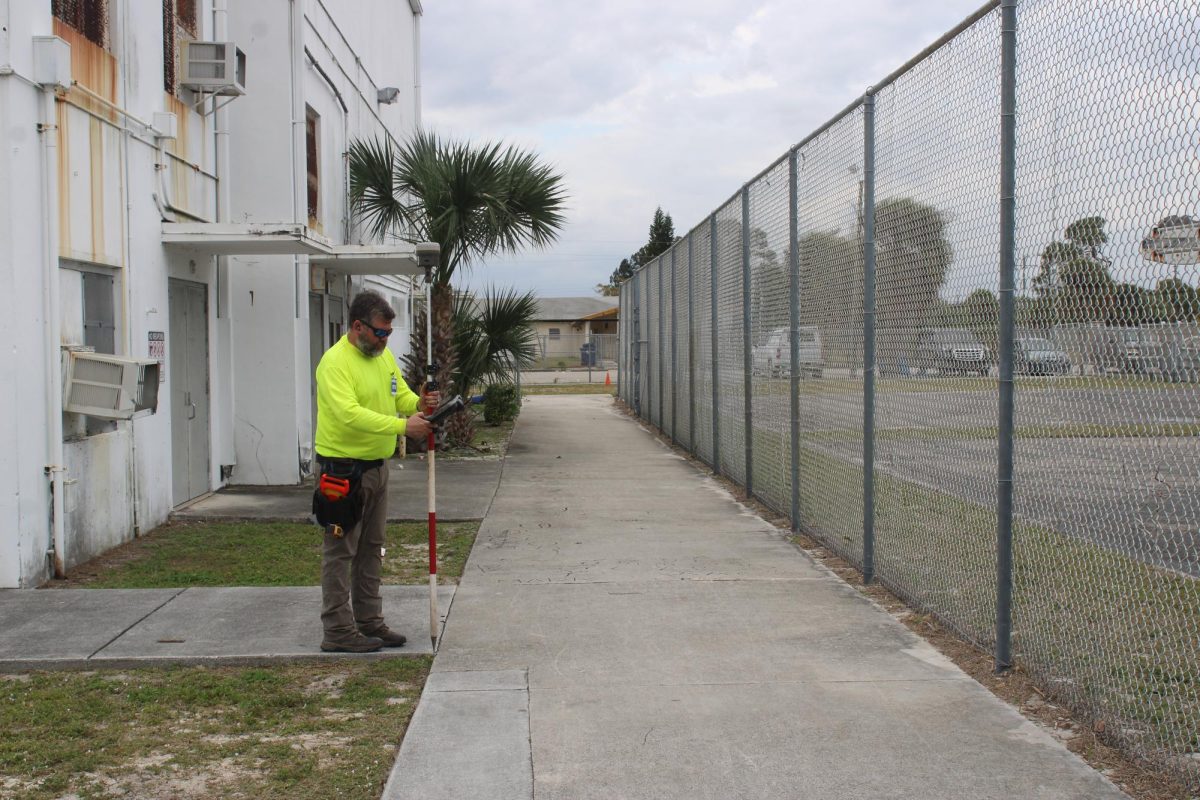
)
(428, 257)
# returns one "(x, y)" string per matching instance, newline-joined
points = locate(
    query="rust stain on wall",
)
(93, 68)
(96, 150)
(64, 177)
(182, 112)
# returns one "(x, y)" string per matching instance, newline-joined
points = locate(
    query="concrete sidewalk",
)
(668, 643)
(465, 488)
(122, 628)
(119, 628)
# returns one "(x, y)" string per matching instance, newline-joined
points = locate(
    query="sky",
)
(674, 103)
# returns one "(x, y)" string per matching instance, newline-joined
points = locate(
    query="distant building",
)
(565, 325)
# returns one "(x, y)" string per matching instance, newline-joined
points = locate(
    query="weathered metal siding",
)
(91, 184)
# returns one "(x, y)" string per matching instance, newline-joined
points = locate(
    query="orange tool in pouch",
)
(333, 489)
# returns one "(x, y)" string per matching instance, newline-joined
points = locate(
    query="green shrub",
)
(500, 403)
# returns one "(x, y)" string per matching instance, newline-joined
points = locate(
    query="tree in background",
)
(769, 287)
(662, 236)
(475, 200)
(1129, 305)
(1175, 301)
(1074, 277)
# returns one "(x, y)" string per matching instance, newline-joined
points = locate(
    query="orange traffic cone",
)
(607, 379)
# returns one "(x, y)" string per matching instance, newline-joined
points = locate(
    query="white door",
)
(187, 373)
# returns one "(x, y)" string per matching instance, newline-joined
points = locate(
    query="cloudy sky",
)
(674, 103)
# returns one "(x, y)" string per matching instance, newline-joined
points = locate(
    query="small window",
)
(99, 328)
(401, 309)
(554, 333)
(337, 322)
(89, 17)
(99, 332)
(312, 123)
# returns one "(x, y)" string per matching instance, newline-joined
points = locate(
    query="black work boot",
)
(389, 637)
(358, 644)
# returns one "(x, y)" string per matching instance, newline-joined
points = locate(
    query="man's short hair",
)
(367, 305)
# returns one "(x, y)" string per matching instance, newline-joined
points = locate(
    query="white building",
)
(144, 216)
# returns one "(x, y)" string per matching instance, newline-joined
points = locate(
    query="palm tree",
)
(473, 200)
(493, 340)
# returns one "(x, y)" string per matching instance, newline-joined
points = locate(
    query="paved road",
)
(1139, 495)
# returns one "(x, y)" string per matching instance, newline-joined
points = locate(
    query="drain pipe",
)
(56, 469)
(299, 188)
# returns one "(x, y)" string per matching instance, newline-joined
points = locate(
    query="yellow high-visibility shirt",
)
(358, 398)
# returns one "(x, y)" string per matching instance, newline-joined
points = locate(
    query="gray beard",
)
(367, 350)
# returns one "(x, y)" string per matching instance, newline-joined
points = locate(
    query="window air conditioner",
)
(217, 67)
(110, 387)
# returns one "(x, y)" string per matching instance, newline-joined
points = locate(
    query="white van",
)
(774, 356)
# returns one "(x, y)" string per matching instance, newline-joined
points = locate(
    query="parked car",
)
(1034, 355)
(774, 356)
(951, 351)
(1189, 359)
(1180, 361)
(1125, 350)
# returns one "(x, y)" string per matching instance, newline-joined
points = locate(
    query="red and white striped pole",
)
(431, 451)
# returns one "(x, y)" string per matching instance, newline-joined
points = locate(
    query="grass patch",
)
(492, 438)
(569, 388)
(486, 440)
(187, 554)
(292, 731)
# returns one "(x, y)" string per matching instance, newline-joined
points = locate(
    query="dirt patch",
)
(328, 685)
(218, 779)
(1015, 687)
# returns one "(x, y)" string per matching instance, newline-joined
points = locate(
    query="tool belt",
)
(338, 499)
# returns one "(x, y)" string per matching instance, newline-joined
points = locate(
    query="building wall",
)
(349, 50)
(24, 528)
(111, 185)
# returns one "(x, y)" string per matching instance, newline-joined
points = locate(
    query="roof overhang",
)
(291, 239)
(608, 313)
(245, 238)
(351, 259)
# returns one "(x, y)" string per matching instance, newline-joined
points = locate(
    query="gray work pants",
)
(351, 565)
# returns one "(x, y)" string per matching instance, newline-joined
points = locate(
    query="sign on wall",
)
(156, 347)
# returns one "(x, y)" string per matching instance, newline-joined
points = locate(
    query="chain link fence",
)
(986, 398)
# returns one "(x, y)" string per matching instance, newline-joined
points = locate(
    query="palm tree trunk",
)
(459, 429)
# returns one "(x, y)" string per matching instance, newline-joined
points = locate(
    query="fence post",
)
(747, 354)
(794, 318)
(716, 361)
(674, 359)
(868, 336)
(635, 352)
(622, 340)
(662, 414)
(1008, 203)
(691, 354)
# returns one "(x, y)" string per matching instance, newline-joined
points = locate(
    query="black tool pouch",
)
(345, 511)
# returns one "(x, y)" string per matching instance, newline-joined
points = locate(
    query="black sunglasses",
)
(380, 333)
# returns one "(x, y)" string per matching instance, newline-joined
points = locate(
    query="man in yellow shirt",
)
(360, 391)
